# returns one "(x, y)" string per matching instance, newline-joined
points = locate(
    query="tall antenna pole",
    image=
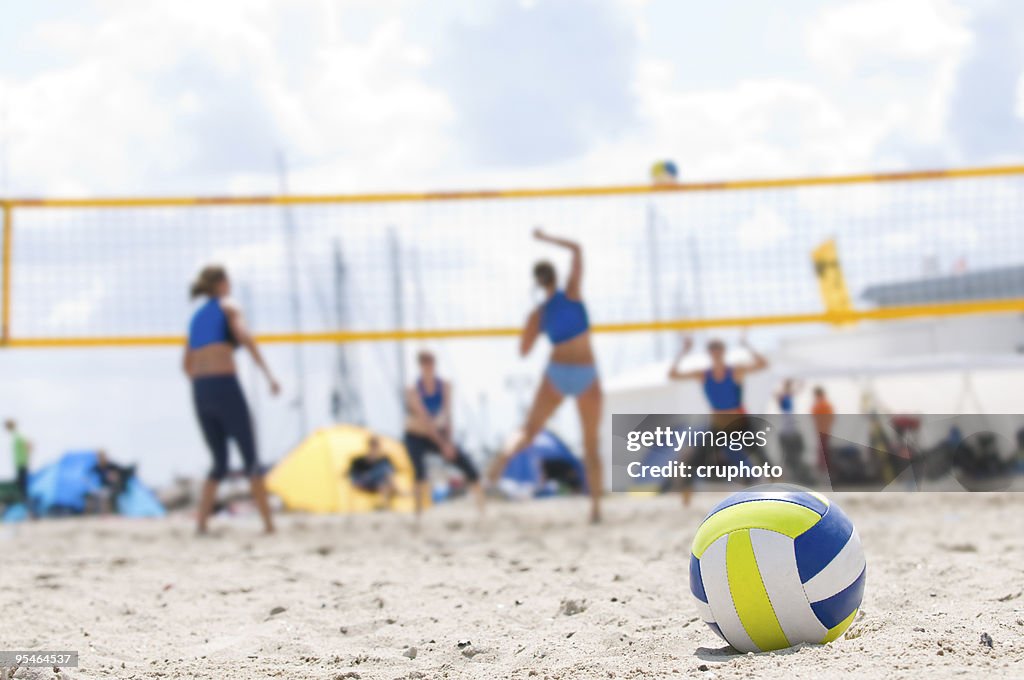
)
(294, 298)
(398, 306)
(345, 404)
(419, 313)
(655, 275)
(698, 289)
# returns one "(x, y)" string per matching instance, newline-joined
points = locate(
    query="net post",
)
(5, 283)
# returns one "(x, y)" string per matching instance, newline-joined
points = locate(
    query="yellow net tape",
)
(424, 266)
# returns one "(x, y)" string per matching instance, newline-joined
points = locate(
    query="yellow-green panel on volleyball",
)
(775, 566)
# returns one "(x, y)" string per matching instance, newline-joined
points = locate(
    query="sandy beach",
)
(530, 591)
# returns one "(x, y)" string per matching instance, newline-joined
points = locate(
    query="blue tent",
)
(15, 513)
(63, 487)
(526, 469)
(138, 501)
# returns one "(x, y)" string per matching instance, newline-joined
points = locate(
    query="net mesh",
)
(115, 273)
(100, 274)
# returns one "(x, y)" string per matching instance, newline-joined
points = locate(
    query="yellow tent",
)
(314, 476)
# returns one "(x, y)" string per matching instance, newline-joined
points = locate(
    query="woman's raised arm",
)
(574, 286)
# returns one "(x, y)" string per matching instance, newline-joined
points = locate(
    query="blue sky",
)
(197, 97)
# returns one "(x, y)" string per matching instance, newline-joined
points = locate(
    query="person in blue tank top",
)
(722, 382)
(784, 398)
(723, 388)
(571, 372)
(216, 330)
(429, 430)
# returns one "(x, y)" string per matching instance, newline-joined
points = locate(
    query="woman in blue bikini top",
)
(571, 372)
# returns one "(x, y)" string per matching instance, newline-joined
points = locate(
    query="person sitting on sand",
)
(373, 472)
(113, 480)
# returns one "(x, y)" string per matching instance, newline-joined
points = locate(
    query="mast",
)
(345, 404)
(295, 300)
(397, 305)
(654, 275)
(698, 290)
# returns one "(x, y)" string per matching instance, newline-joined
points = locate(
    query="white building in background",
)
(963, 364)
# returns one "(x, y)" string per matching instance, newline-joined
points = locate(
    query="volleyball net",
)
(116, 272)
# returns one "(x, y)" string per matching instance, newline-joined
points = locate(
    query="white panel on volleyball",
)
(716, 586)
(839, 573)
(705, 612)
(776, 561)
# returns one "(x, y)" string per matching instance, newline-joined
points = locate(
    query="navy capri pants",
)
(224, 415)
(419, 447)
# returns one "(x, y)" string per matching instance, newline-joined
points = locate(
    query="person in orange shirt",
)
(824, 417)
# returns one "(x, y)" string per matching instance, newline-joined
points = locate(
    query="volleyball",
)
(664, 172)
(776, 565)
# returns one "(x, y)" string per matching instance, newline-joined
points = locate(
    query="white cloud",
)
(857, 35)
(186, 94)
(754, 127)
(184, 97)
(1019, 108)
(899, 60)
(76, 312)
(763, 228)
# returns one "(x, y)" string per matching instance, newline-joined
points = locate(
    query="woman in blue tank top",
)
(429, 430)
(216, 330)
(723, 388)
(571, 372)
(722, 383)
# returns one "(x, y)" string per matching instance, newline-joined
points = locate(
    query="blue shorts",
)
(571, 379)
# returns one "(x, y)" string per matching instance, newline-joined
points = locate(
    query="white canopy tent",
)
(971, 364)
